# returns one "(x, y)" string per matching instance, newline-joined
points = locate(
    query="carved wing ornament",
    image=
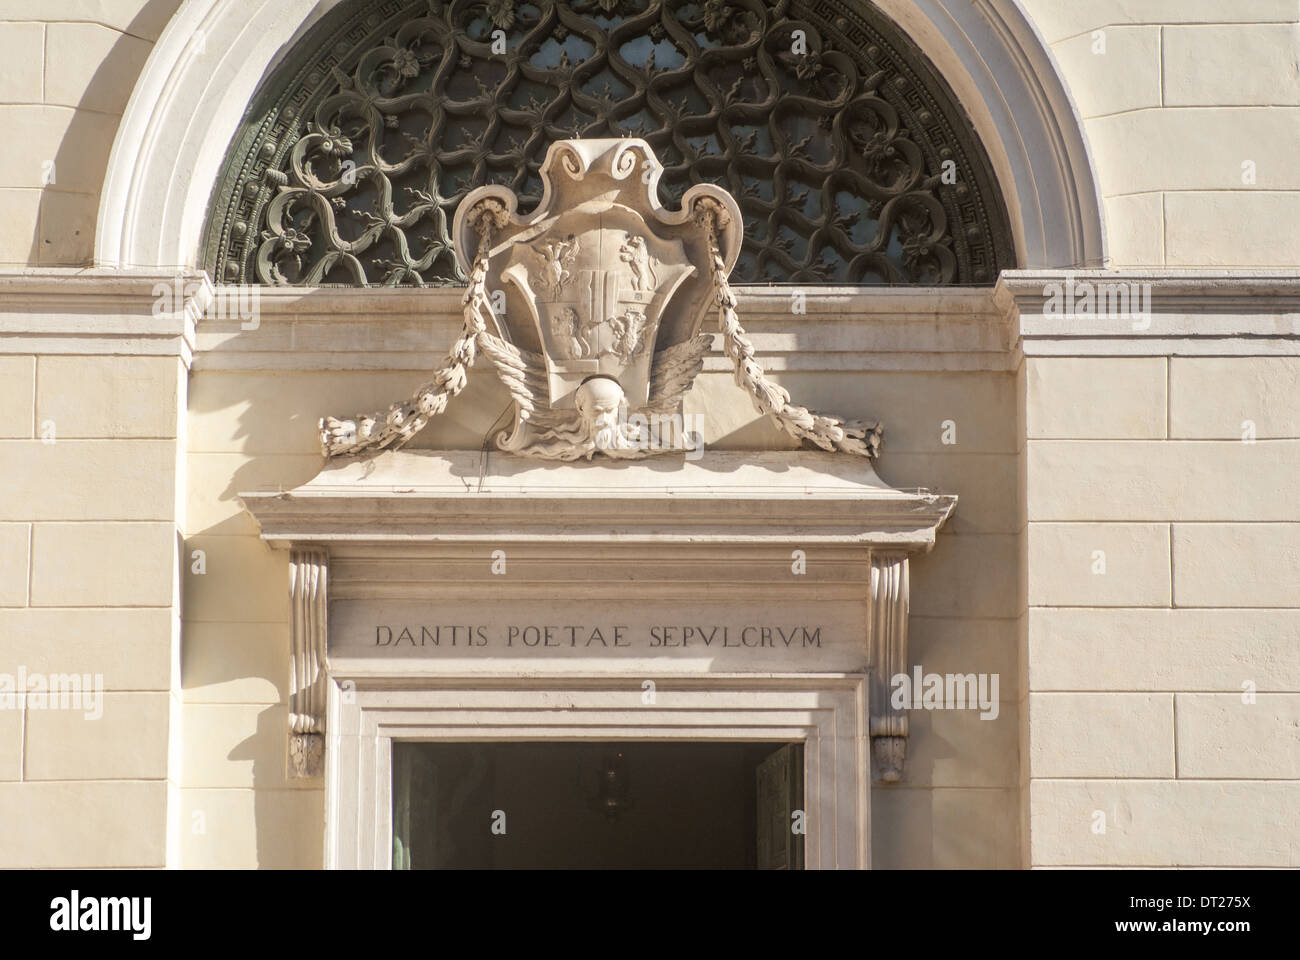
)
(605, 293)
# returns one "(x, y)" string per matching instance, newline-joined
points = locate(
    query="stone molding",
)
(102, 312)
(842, 328)
(827, 712)
(863, 328)
(1183, 313)
(458, 497)
(1006, 77)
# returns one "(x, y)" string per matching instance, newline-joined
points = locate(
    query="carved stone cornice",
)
(1161, 312)
(854, 328)
(102, 311)
(411, 496)
(1219, 312)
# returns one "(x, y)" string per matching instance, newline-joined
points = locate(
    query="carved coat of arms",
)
(598, 284)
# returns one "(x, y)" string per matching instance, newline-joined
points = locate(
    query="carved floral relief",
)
(846, 162)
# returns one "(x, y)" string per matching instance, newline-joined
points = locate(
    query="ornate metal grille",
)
(850, 158)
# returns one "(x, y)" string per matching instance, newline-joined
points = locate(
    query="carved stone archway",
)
(207, 65)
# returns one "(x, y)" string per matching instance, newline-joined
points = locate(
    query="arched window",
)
(849, 155)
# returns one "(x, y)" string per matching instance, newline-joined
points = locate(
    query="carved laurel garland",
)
(829, 433)
(849, 157)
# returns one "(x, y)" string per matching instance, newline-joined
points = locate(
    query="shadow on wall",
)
(72, 179)
(288, 820)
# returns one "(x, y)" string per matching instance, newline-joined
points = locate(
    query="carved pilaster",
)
(308, 568)
(889, 606)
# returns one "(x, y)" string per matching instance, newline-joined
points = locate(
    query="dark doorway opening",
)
(581, 805)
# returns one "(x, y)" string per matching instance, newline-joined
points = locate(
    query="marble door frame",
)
(827, 712)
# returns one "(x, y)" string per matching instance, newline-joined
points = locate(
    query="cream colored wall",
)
(1137, 709)
(1184, 94)
(1135, 676)
(88, 554)
(67, 68)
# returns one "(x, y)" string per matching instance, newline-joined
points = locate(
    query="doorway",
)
(598, 805)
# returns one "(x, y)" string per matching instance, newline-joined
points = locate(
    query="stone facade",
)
(1124, 555)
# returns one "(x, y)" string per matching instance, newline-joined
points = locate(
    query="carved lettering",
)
(532, 637)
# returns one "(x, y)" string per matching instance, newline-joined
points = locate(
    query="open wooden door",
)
(780, 818)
